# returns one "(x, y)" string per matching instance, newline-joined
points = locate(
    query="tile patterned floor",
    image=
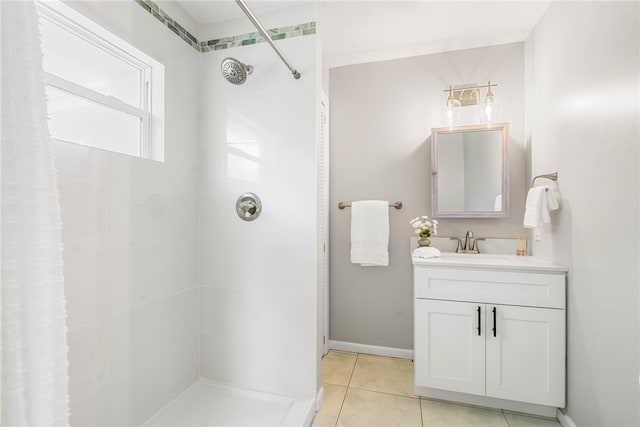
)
(372, 391)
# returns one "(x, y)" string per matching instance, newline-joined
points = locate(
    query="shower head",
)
(235, 71)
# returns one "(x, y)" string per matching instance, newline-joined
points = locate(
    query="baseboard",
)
(376, 350)
(319, 399)
(487, 402)
(565, 420)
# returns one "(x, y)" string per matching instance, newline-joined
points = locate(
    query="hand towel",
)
(540, 200)
(370, 232)
(533, 211)
(553, 198)
(426, 252)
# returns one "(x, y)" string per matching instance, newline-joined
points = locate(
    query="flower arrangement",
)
(423, 227)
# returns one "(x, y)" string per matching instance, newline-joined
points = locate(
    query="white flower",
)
(421, 224)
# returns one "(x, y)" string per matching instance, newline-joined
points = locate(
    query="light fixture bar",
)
(489, 85)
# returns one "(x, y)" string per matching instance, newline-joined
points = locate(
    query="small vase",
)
(424, 242)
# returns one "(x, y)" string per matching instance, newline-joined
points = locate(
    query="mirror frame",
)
(435, 134)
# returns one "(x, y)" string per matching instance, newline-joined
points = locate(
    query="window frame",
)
(151, 112)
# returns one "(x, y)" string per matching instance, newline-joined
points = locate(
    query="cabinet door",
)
(449, 349)
(526, 358)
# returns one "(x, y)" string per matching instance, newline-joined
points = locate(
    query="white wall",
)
(130, 247)
(582, 110)
(258, 279)
(381, 119)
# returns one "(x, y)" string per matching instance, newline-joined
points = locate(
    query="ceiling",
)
(365, 31)
(212, 11)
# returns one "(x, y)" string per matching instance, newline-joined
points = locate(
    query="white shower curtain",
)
(34, 344)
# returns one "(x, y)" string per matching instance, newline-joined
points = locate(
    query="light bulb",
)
(488, 98)
(487, 111)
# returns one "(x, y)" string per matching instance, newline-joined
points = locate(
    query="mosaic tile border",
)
(306, 29)
(169, 22)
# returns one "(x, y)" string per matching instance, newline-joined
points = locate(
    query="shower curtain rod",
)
(267, 37)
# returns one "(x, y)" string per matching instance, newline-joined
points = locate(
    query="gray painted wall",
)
(381, 116)
(582, 111)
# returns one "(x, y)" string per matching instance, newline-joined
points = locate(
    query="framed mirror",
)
(470, 171)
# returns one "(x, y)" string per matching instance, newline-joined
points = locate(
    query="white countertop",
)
(490, 262)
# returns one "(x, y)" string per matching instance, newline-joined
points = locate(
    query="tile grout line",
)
(387, 393)
(345, 392)
(421, 415)
(353, 370)
(505, 417)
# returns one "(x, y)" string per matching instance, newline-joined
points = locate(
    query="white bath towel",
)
(370, 232)
(540, 200)
(426, 252)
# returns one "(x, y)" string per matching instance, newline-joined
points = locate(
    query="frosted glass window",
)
(75, 58)
(79, 120)
(102, 92)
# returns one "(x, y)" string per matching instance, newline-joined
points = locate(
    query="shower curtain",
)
(34, 344)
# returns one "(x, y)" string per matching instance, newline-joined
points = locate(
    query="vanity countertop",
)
(490, 262)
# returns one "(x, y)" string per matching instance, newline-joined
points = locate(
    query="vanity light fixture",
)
(469, 95)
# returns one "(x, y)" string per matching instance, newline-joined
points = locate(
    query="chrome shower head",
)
(235, 71)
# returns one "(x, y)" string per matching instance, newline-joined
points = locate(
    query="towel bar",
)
(553, 176)
(342, 205)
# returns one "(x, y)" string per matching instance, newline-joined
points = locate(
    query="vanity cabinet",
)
(493, 332)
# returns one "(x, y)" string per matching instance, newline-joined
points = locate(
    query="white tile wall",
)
(257, 295)
(130, 230)
(154, 251)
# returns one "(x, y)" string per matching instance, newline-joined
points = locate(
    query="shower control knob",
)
(248, 206)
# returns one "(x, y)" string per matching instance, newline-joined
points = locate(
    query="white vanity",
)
(490, 330)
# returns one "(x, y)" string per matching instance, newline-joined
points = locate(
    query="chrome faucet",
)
(470, 244)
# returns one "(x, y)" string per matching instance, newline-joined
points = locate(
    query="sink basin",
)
(488, 261)
(475, 258)
(471, 257)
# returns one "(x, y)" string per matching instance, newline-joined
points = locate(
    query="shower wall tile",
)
(219, 307)
(88, 357)
(120, 347)
(212, 257)
(244, 326)
(257, 279)
(211, 215)
(182, 209)
(130, 233)
(96, 285)
(183, 318)
(148, 283)
(84, 214)
(81, 162)
(185, 364)
(184, 264)
(150, 385)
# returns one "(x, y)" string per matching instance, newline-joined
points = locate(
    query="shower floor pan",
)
(210, 404)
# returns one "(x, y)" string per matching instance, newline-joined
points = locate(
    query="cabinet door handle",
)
(495, 325)
(479, 321)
